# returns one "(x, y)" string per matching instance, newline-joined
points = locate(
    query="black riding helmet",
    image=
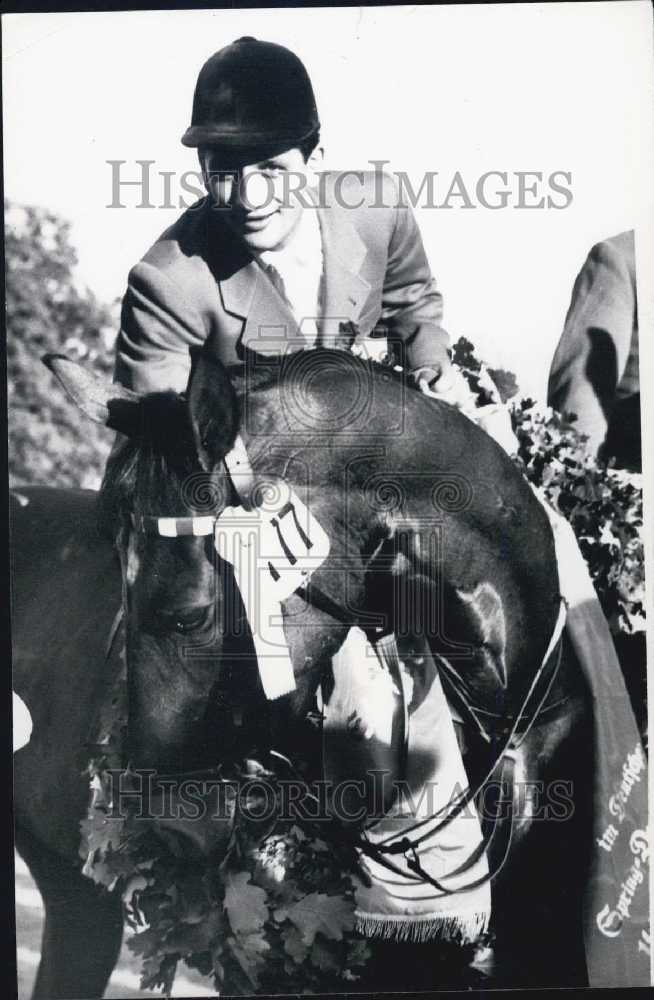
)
(252, 94)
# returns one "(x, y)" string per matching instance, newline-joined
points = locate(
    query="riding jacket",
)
(198, 283)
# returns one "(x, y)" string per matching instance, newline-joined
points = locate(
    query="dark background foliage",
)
(47, 311)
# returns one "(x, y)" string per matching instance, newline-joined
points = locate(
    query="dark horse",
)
(385, 470)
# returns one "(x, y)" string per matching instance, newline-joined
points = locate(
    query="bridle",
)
(506, 737)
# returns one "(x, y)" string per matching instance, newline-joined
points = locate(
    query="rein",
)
(384, 643)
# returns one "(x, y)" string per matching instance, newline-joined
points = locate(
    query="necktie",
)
(308, 328)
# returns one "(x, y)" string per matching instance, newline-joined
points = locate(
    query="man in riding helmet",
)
(278, 257)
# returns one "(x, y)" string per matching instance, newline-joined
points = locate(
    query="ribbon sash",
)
(616, 917)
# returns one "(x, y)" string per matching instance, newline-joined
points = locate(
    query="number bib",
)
(273, 549)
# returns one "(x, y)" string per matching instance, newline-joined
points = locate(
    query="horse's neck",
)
(476, 553)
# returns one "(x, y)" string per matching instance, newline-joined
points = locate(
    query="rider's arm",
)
(159, 326)
(412, 307)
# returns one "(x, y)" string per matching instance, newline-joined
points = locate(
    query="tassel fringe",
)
(461, 928)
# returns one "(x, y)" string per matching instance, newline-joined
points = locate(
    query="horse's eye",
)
(186, 619)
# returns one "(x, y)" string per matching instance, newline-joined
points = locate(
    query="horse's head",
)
(168, 465)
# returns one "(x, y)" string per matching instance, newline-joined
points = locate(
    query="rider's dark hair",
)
(308, 145)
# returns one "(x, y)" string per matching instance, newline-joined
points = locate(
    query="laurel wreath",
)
(274, 908)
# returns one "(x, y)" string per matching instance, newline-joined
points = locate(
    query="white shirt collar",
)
(304, 247)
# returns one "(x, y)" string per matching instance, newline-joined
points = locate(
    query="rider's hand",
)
(495, 419)
(450, 386)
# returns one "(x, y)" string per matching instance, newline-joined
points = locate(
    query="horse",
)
(385, 470)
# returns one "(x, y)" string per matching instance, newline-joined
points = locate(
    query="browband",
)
(239, 470)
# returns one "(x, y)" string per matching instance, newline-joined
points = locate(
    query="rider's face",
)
(261, 198)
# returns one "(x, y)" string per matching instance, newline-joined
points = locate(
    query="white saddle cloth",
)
(361, 734)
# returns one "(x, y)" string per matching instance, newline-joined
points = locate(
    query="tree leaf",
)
(331, 915)
(245, 903)
(325, 956)
(294, 944)
(249, 950)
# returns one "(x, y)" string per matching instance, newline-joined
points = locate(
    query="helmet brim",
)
(274, 141)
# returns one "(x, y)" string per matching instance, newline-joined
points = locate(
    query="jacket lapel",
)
(344, 290)
(270, 325)
(247, 293)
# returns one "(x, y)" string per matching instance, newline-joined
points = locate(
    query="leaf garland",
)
(604, 505)
(273, 910)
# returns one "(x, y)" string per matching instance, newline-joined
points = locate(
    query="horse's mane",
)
(147, 473)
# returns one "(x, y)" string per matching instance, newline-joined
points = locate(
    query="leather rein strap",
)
(385, 646)
(506, 757)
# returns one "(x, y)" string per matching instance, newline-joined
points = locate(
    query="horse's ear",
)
(213, 408)
(105, 402)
